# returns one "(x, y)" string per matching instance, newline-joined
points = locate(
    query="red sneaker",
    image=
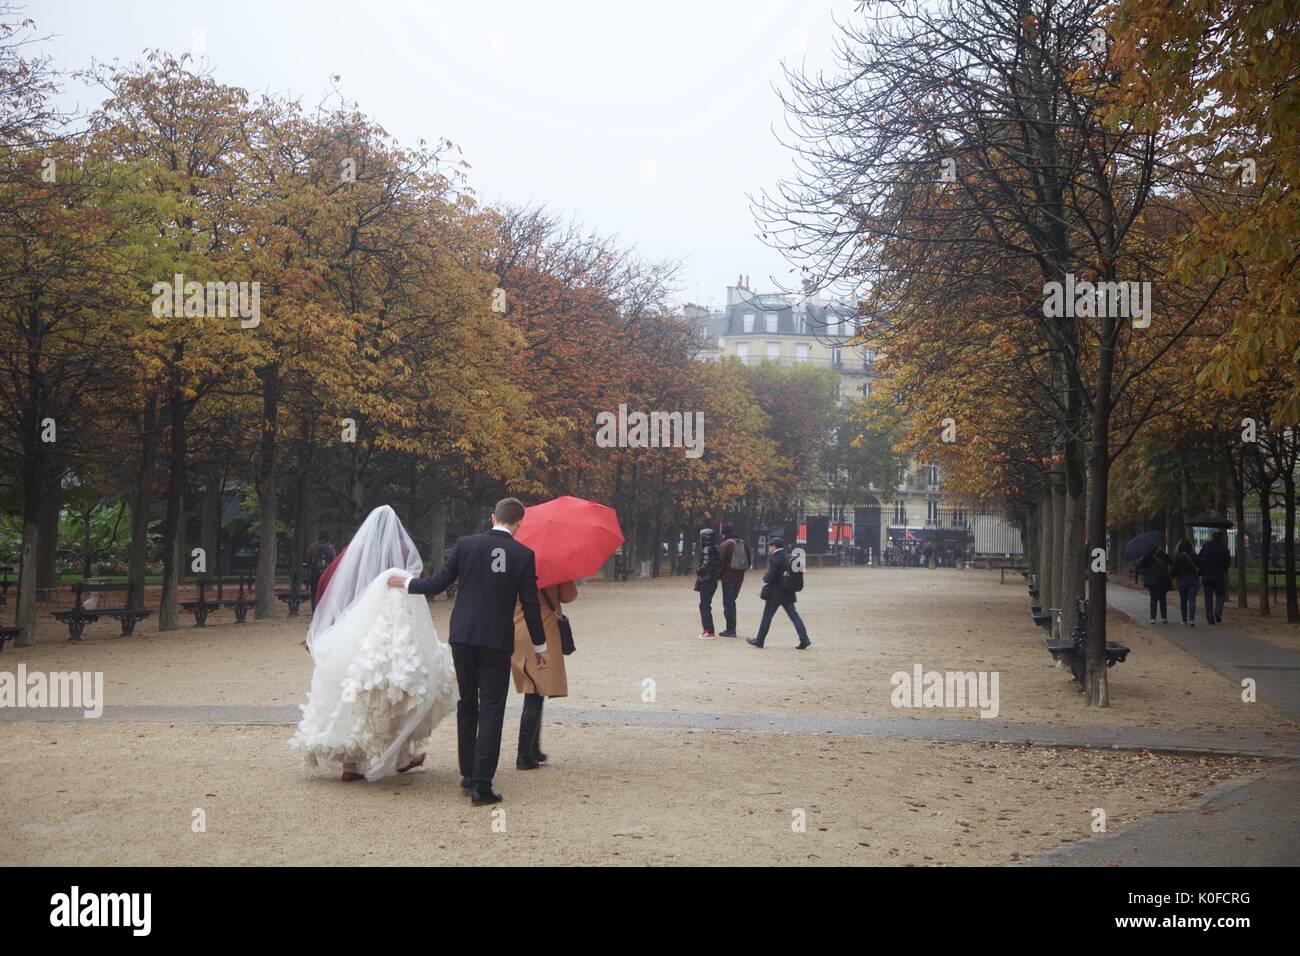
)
(417, 761)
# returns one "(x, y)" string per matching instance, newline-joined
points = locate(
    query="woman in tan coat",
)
(536, 684)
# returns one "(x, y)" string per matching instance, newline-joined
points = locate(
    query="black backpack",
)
(324, 556)
(791, 581)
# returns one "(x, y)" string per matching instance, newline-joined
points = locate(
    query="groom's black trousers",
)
(483, 674)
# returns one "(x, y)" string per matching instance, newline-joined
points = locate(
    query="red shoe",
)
(349, 776)
(417, 761)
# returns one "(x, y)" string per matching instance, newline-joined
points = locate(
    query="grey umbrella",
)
(1141, 546)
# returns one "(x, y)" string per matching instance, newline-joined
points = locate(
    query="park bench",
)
(7, 634)
(242, 602)
(295, 595)
(1003, 569)
(1036, 613)
(1073, 653)
(204, 605)
(80, 616)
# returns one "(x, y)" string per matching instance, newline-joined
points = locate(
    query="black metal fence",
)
(916, 535)
(1251, 536)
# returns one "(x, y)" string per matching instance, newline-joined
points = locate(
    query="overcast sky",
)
(648, 120)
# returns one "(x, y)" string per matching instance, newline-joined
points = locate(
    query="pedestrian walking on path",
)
(736, 560)
(1187, 570)
(780, 585)
(1154, 569)
(1215, 561)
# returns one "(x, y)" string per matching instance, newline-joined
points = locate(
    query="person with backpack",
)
(736, 560)
(780, 585)
(319, 556)
(706, 580)
(1187, 572)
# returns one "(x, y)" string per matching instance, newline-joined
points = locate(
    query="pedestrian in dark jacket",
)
(1215, 562)
(1154, 569)
(776, 596)
(706, 580)
(1186, 572)
(736, 560)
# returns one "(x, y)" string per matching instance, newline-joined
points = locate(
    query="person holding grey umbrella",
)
(1157, 580)
(1215, 562)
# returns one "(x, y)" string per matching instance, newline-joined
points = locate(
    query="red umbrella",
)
(572, 538)
(328, 573)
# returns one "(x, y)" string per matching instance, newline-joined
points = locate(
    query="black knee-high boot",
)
(537, 737)
(529, 718)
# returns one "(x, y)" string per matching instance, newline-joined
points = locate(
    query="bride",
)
(383, 680)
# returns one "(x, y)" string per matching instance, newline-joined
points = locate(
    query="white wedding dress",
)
(383, 680)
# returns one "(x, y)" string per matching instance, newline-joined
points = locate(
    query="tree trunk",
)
(1075, 559)
(1097, 684)
(358, 498)
(87, 559)
(1239, 504)
(658, 543)
(1045, 549)
(1288, 554)
(300, 539)
(48, 535)
(437, 531)
(210, 518)
(1058, 544)
(142, 503)
(309, 501)
(268, 543)
(33, 481)
(1265, 545)
(174, 523)
(1184, 506)
(1029, 536)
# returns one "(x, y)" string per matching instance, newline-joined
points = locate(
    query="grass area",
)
(1252, 575)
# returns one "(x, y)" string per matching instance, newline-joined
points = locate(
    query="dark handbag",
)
(766, 592)
(566, 629)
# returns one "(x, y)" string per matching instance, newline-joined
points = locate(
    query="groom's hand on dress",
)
(396, 581)
(543, 659)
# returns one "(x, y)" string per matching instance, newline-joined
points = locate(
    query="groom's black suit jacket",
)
(491, 571)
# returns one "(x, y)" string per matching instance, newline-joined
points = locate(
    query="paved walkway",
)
(899, 728)
(1255, 822)
(1276, 672)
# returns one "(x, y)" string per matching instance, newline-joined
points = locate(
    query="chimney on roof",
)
(740, 291)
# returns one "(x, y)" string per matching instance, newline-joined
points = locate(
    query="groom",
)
(491, 571)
